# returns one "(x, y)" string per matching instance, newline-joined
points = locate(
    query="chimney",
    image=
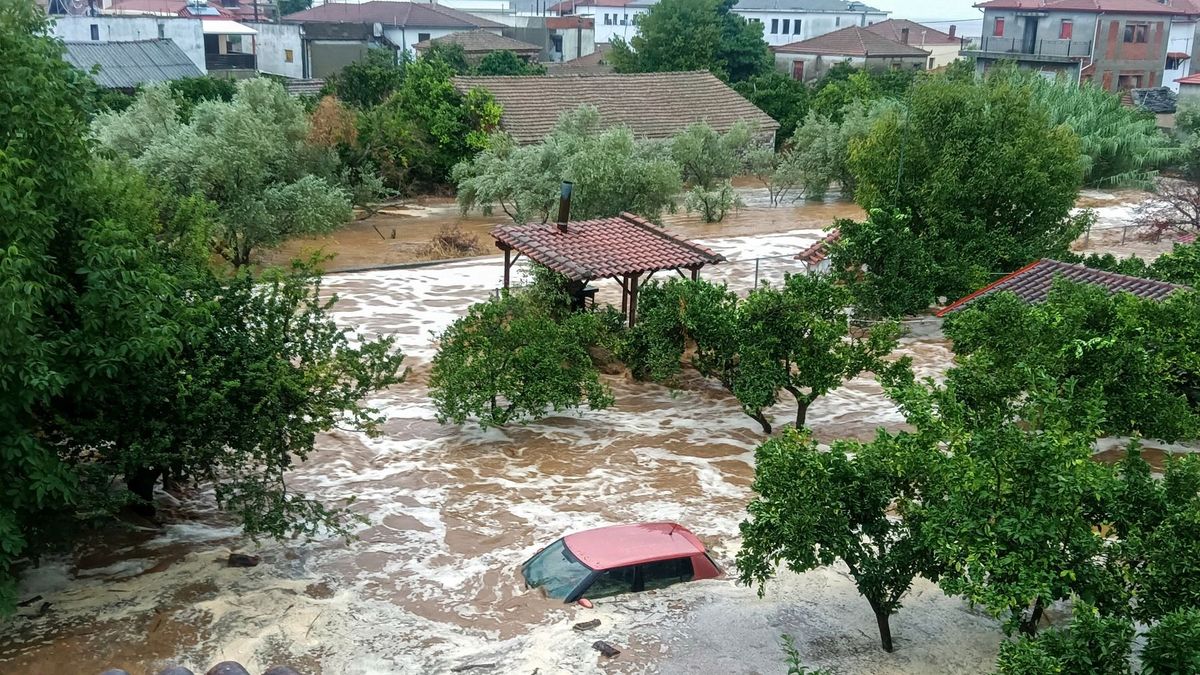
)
(904, 35)
(564, 205)
(953, 28)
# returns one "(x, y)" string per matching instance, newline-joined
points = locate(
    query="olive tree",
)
(813, 508)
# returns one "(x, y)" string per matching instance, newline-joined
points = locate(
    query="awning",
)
(1178, 55)
(226, 27)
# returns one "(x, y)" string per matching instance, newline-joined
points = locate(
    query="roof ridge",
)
(667, 236)
(963, 300)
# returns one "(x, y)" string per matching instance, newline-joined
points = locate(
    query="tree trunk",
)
(802, 411)
(1030, 626)
(882, 618)
(142, 484)
(762, 420)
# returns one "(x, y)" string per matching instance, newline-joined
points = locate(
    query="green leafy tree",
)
(813, 508)
(786, 100)
(504, 62)
(1173, 644)
(899, 275)
(796, 338)
(1162, 544)
(1092, 644)
(191, 91)
(708, 160)
(612, 172)
(509, 360)
(244, 157)
(973, 214)
(694, 35)
(713, 204)
(292, 6)
(1134, 358)
(370, 80)
(153, 115)
(449, 53)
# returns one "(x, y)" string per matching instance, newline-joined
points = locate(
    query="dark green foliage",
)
(451, 54)
(844, 85)
(784, 99)
(1163, 542)
(1092, 644)
(987, 184)
(694, 35)
(1173, 645)
(796, 338)
(812, 508)
(370, 80)
(292, 6)
(509, 360)
(504, 62)
(1136, 360)
(191, 91)
(900, 274)
(1180, 266)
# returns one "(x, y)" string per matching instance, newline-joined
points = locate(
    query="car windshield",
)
(555, 570)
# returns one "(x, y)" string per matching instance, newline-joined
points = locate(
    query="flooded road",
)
(430, 585)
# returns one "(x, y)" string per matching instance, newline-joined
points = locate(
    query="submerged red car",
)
(618, 559)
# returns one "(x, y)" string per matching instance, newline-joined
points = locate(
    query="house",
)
(809, 59)
(943, 48)
(788, 21)
(815, 258)
(1181, 43)
(610, 18)
(1033, 282)
(1189, 86)
(337, 34)
(652, 105)
(571, 37)
(595, 63)
(479, 43)
(125, 66)
(1117, 44)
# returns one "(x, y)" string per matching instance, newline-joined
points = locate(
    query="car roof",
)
(619, 545)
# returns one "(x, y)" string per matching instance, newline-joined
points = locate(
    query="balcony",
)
(233, 61)
(1018, 49)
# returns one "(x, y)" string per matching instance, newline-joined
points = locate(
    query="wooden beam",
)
(624, 296)
(695, 274)
(633, 295)
(507, 265)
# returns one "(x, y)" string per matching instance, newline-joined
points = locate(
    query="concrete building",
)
(187, 34)
(1182, 49)
(943, 48)
(1117, 44)
(610, 18)
(477, 44)
(788, 21)
(808, 60)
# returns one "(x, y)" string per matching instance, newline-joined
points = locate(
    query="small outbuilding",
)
(479, 43)
(808, 60)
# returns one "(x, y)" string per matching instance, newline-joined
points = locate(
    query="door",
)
(798, 70)
(1029, 41)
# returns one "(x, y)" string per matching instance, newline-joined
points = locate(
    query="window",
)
(774, 26)
(287, 56)
(666, 572)
(796, 27)
(837, 21)
(624, 20)
(998, 28)
(1174, 62)
(421, 37)
(95, 32)
(607, 19)
(613, 582)
(787, 26)
(1066, 29)
(1137, 32)
(162, 30)
(556, 44)
(931, 62)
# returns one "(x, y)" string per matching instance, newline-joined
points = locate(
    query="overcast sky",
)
(932, 10)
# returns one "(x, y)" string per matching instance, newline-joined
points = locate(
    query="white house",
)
(1181, 43)
(788, 21)
(611, 18)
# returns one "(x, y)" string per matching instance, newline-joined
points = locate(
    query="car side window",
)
(663, 573)
(613, 582)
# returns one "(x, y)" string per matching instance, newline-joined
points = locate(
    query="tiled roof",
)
(1190, 79)
(605, 247)
(1157, 100)
(477, 41)
(918, 35)
(652, 105)
(566, 22)
(1182, 56)
(127, 65)
(1096, 6)
(1032, 283)
(388, 13)
(298, 87)
(819, 251)
(570, 5)
(851, 41)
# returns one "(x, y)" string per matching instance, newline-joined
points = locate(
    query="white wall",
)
(272, 44)
(406, 37)
(812, 24)
(1181, 39)
(620, 21)
(186, 33)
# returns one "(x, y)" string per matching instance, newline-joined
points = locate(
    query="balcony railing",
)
(1017, 47)
(229, 61)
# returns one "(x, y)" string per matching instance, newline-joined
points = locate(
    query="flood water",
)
(430, 584)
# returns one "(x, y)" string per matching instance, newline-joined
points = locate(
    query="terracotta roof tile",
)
(566, 22)
(851, 41)
(476, 41)
(652, 105)
(605, 247)
(388, 13)
(1091, 6)
(1032, 283)
(819, 250)
(918, 35)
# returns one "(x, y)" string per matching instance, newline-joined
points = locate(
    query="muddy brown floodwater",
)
(430, 583)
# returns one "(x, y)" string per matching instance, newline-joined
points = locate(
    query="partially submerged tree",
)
(813, 508)
(509, 360)
(612, 172)
(708, 160)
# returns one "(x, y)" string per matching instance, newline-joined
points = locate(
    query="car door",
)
(663, 573)
(613, 581)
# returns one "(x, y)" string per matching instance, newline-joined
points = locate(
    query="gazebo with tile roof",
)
(623, 248)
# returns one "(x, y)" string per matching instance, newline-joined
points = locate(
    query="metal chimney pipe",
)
(953, 30)
(564, 205)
